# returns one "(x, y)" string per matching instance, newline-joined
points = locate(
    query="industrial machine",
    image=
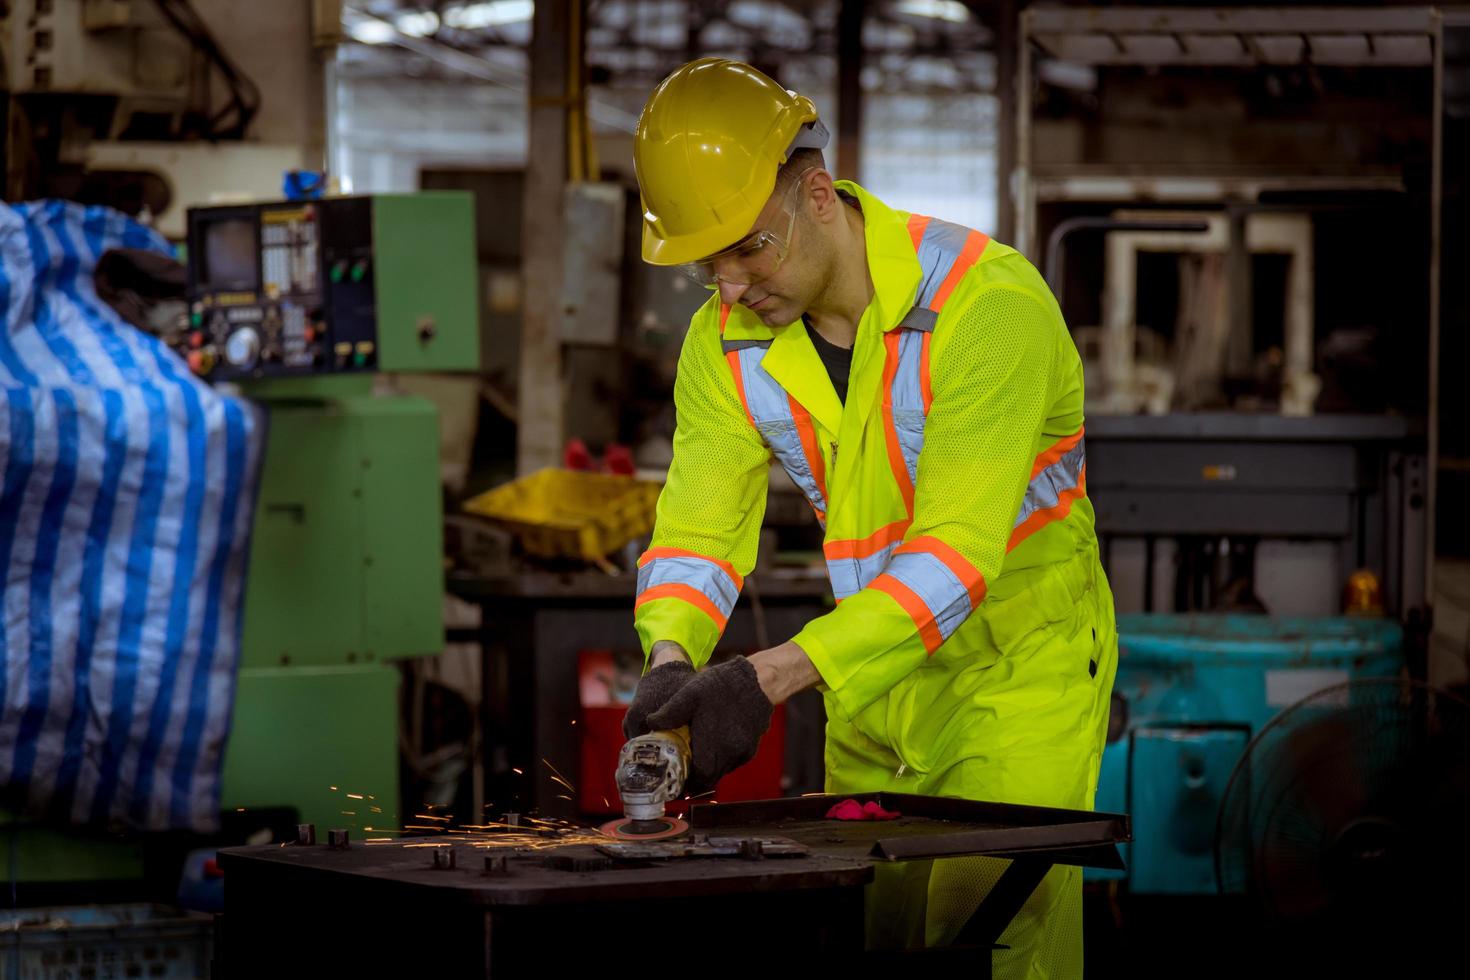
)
(1258, 433)
(346, 558)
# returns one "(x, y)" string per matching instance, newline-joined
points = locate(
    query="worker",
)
(916, 381)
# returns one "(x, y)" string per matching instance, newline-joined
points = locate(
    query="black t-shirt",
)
(837, 360)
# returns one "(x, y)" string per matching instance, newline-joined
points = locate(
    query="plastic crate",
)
(102, 942)
(570, 514)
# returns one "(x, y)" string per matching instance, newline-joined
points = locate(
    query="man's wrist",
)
(784, 671)
(667, 651)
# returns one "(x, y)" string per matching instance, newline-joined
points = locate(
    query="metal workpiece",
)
(497, 864)
(748, 848)
(337, 840)
(305, 834)
(444, 857)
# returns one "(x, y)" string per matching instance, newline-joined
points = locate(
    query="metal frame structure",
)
(1222, 37)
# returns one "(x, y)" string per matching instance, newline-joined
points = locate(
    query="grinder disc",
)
(621, 828)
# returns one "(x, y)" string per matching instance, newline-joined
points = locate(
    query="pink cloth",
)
(853, 810)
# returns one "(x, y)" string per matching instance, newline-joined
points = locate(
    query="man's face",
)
(785, 276)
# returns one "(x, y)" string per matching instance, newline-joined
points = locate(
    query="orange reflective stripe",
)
(890, 431)
(974, 245)
(807, 432)
(724, 315)
(917, 224)
(1059, 449)
(924, 373)
(968, 574)
(688, 593)
(1042, 518)
(872, 544)
(653, 554)
(734, 358)
(914, 606)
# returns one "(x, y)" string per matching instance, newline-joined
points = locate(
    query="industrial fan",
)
(1345, 826)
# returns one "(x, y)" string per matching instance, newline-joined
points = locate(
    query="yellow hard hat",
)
(707, 149)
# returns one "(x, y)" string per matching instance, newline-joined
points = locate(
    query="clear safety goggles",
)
(757, 256)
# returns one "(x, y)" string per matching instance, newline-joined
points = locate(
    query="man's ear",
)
(825, 202)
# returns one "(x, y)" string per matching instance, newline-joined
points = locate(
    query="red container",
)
(605, 692)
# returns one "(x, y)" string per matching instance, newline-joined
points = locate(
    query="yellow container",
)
(569, 514)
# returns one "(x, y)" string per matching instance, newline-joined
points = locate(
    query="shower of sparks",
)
(530, 835)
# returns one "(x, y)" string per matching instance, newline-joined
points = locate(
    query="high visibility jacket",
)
(956, 465)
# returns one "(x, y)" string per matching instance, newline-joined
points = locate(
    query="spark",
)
(334, 789)
(430, 816)
(518, 772)
(348, 813)
(563, 796)
(354, 796)
(376, 809)
(569, 786)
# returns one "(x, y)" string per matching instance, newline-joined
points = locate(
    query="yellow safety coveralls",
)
(973, 647)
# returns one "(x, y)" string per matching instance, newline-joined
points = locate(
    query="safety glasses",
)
(755, 257)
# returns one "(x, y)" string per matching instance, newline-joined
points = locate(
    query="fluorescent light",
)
(495, 13)
(417, 24)
(370, 30)
(950, 10)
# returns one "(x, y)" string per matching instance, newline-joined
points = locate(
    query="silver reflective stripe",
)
(933, 582)
(1046, 488)
(706, 576)
(907, 395)
(942, 243)
(851, 575)
(770, 411)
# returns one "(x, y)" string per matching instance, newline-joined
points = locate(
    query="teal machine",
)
(1191, 691)
(300, 304)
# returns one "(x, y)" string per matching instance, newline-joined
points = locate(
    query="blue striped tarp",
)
(125, 506)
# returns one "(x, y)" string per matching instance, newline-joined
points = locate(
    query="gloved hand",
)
(727, 713)
(653, 692)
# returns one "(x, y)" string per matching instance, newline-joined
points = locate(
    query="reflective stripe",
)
(946, 586)
(707, 583)
(783, 423)
(946, 252)
(853, 565)
(1058, 478)
(915, 606)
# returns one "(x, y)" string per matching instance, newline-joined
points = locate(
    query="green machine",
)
(300, 304)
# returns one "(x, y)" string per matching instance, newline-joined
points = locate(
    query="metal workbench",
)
(404, 909)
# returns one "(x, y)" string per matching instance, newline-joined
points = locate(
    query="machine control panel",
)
(280, 289)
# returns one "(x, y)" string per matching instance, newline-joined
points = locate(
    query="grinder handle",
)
(680, 737)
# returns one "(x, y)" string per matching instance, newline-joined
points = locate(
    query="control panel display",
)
(280, 289)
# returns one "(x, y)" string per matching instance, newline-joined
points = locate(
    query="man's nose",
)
(730, 292)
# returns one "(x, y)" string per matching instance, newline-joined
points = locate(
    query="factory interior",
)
(399, 575)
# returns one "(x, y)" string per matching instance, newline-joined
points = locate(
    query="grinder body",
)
(651, 771)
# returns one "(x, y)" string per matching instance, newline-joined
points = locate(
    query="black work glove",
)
(653, 692)
(727, 713)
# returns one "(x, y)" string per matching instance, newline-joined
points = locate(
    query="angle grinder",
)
(651, 772)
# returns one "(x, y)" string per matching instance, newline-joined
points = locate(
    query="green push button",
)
(338, 269)
(359, 269)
